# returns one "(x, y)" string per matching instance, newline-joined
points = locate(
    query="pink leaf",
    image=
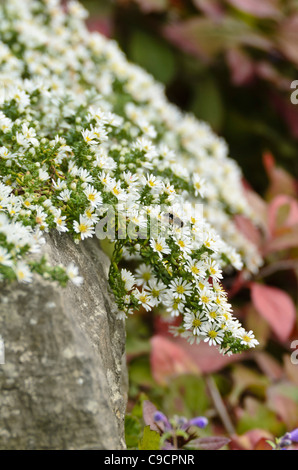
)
(205, 358)
(169, 360)
(210, 8)
(290, 219)
(241, 67)
(284, 241)
(287, 38)
(277, 307)
(260, 9)
(148, 415)
(281, 182)
(269, 366)
(205, 38)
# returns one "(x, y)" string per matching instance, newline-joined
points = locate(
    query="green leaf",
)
(187, 396)
(258, 415)
(154, 55)
(150, 440)
(132, 431)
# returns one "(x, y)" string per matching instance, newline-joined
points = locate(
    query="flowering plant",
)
(84, 133)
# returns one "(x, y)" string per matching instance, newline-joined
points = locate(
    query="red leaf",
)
(211, 443)
(281, 182)
(263, 444)
(206, 357)
(251, 440)
(101, 24)
(277, 307)
(282, 224)
(169, 360)
(268, 162)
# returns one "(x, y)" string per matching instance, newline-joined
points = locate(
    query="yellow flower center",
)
(246, 338)
(180, 289)
(83, 228)
(212, 334)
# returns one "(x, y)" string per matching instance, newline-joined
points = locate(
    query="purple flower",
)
(159, 416)
(294, 435)
(199, 421)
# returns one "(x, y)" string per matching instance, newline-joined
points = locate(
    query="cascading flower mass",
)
(82, 130)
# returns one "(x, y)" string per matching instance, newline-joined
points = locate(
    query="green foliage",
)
(150, 440)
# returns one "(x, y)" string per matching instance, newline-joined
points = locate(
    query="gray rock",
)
(63, 384)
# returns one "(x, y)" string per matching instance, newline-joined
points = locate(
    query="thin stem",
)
(219, 405)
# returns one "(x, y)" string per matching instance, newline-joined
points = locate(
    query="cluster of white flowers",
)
(82, 129)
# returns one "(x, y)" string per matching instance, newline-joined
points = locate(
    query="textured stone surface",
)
(63, 384)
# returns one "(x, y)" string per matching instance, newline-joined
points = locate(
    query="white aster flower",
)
(84, 227)
(160, 246)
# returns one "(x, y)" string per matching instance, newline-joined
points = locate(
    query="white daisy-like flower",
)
(43, 175)
(197, 268)
(194, 321)
(180, 288)
(5, 257)
(23, 272)
(199, 185)
(206, 297)
(143, 274)
(160, 246)
(84, 227)
(145, 299)
(174, 305)
(60, 221)
(248, 339)
(93, 196)
(72, 272)
(185, 244)
(156, 289)
(214, 270)
(214, 335)
(128, 279)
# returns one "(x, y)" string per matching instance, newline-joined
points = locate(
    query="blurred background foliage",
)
(231, 63)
